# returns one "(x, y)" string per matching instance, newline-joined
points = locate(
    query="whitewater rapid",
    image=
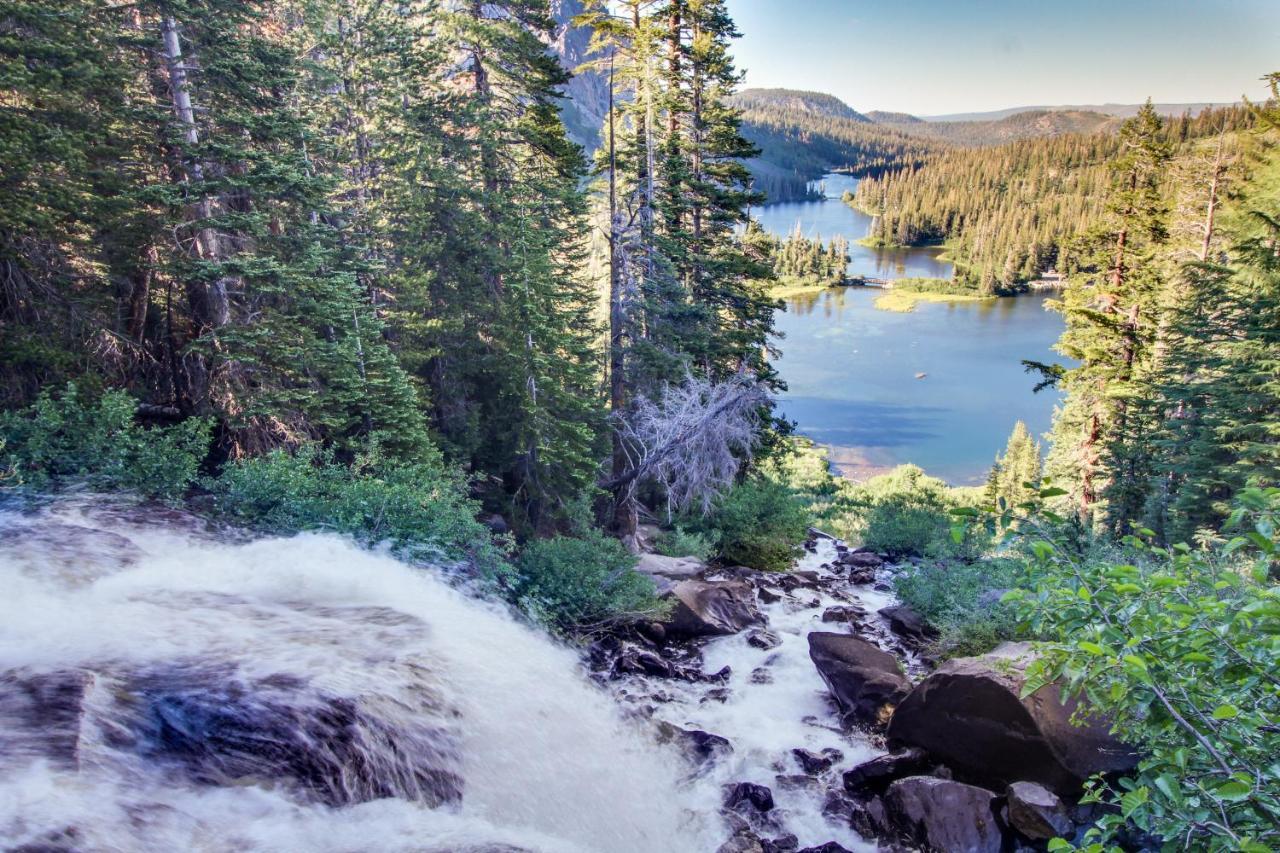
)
(129, 600)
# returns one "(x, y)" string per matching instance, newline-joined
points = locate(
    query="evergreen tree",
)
(1109, 307)
(1018, 465)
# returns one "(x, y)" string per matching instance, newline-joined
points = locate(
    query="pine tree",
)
(1018, 465)
(1109, 307)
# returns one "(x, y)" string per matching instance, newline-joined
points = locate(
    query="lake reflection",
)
(832, 217)
(851, 368)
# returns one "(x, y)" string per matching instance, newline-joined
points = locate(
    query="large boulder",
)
(944, 816)
(970, 715)
(712, 608)
(865, 681)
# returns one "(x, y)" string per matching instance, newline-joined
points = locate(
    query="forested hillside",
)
(804, 135)
(361, 226)
(1009, 213)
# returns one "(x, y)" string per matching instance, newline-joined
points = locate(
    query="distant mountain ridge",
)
(1114, 110)
(797, 100)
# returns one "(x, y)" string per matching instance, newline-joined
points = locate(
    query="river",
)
(851, 369)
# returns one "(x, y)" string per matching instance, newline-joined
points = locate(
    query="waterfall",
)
(163, 687)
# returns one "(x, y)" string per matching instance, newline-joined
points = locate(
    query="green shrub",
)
(686, 543)
(569, 582)
(762, 524)
(1178, 647)
(68, 439)
(420, 508)
(962, 600)
(906, 513)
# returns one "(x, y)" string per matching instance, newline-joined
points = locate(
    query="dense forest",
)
(1012, 212)
(324, 267)
(804, 135)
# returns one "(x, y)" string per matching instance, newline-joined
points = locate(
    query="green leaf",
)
(1052, 492)
(1133, 800)
(1233, 791)
(1091, 648)
(1225, 712)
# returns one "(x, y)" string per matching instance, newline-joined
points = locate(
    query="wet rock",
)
(945, 816)
(761, 675)
(815, 763)
(796, 782)
(838, 808)
(865, 681)
(876, 775)
(762, 639)
(221, 729)
(635, 661)
(1037, 812)
(749, 795)
(970, 715)
(869, 819)
(782, 844)
(41, 715)
(862, 560)
(846, 614)
(712, 608)
(701, 747)
(883, 586)
(908, 624)
(715, 694)
(742, 841)
(829, 847)
(654, 632)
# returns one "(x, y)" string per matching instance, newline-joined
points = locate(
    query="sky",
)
(931, 57)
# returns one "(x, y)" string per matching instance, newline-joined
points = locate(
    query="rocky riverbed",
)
(805, 696)
(167, 686)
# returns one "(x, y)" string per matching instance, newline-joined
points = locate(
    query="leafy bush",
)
(420, 508)
(569, 582)
(1178, 646)
(69, 439)
(906, 513)
(963, 601)
(762, 524)
(686, 543)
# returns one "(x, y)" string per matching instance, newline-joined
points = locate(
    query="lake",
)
(851, 368)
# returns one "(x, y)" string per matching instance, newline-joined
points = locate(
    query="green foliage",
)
(905, 513)
(1178, 645)
(67, 439)
(799, 258)
(962, 600)
(419, 508)
(762, 524)
(1015, 476)
(687, 543)
(1010, 212)
(569, 582)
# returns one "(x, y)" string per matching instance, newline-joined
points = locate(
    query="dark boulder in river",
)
(970, 715)
(938, 814)
(865, 681)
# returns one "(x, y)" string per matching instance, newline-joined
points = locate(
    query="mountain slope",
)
(1028, 125)
(796, 101)
(1116, 110)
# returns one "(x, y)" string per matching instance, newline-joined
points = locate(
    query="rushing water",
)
(164, 690)
(940, 387)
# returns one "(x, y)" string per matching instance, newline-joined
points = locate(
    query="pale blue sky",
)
(946, 56)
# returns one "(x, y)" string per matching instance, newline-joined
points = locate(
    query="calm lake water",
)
(851, 368)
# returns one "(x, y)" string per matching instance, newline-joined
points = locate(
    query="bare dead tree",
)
(692, 440)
